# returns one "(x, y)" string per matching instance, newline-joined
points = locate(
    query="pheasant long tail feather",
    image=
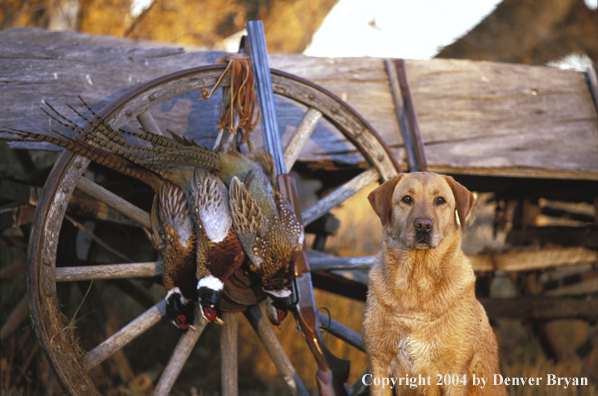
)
(99, 133)
(154, 139)
(101, 125)
(94, 154)
(198, 157)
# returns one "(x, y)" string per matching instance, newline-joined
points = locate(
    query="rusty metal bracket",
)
(406, 115)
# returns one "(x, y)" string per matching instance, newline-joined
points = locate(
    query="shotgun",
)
(332, 372)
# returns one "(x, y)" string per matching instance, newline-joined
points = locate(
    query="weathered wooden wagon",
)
(522, 133)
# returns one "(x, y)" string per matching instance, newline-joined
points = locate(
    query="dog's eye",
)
(440, 200)
(407, 199)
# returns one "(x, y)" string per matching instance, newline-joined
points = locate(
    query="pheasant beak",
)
(211, 315)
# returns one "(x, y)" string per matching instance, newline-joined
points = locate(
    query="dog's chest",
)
(404, 352)
(416, 344)
(406, 345)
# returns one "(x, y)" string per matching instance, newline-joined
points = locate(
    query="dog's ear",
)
(381, 198)
(463, 197)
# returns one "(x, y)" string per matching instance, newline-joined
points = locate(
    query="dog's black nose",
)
(423, 224)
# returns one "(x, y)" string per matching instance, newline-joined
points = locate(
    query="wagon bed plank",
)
(476, 118)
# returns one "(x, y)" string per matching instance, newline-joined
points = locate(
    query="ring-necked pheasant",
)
(189, 213)
(269, 231)
(192, 211)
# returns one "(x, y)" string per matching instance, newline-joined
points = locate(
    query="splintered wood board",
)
(478, 118)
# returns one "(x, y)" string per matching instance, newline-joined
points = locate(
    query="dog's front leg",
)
(381, 381)
(459, 389)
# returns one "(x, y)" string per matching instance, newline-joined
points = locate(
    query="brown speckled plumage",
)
(219, 251)
(270, 232)
(174, 238)
(187, 211)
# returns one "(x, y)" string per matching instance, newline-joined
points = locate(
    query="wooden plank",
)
(543, 308)
(109, 271)
(587, 286)
(533, 260)
(55, 37)
(496, 116)
(556, 235)
(478, 118)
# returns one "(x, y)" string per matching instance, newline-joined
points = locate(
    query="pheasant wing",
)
(178, 240)
(249, 221)
(209, 199)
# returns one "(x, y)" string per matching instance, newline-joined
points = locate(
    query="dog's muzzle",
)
(423, 233)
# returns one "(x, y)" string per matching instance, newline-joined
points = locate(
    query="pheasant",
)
(191, 218)
(191, 227)
(197, 243)
(265, 222)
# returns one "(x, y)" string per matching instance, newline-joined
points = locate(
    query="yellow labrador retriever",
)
(424, 330)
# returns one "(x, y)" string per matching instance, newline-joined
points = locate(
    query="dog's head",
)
(418, 209)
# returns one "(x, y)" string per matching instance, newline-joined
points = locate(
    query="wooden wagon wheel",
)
(61, 349)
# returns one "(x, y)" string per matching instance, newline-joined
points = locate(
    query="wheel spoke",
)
(339, 195)
(341, 331)
(87, 206)
(229, 338)
(281, 361)
(179, 356)
(148, 123)
(340, 263)
(109, 271)
(125, 335)
(299, 139)
(114, 201)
